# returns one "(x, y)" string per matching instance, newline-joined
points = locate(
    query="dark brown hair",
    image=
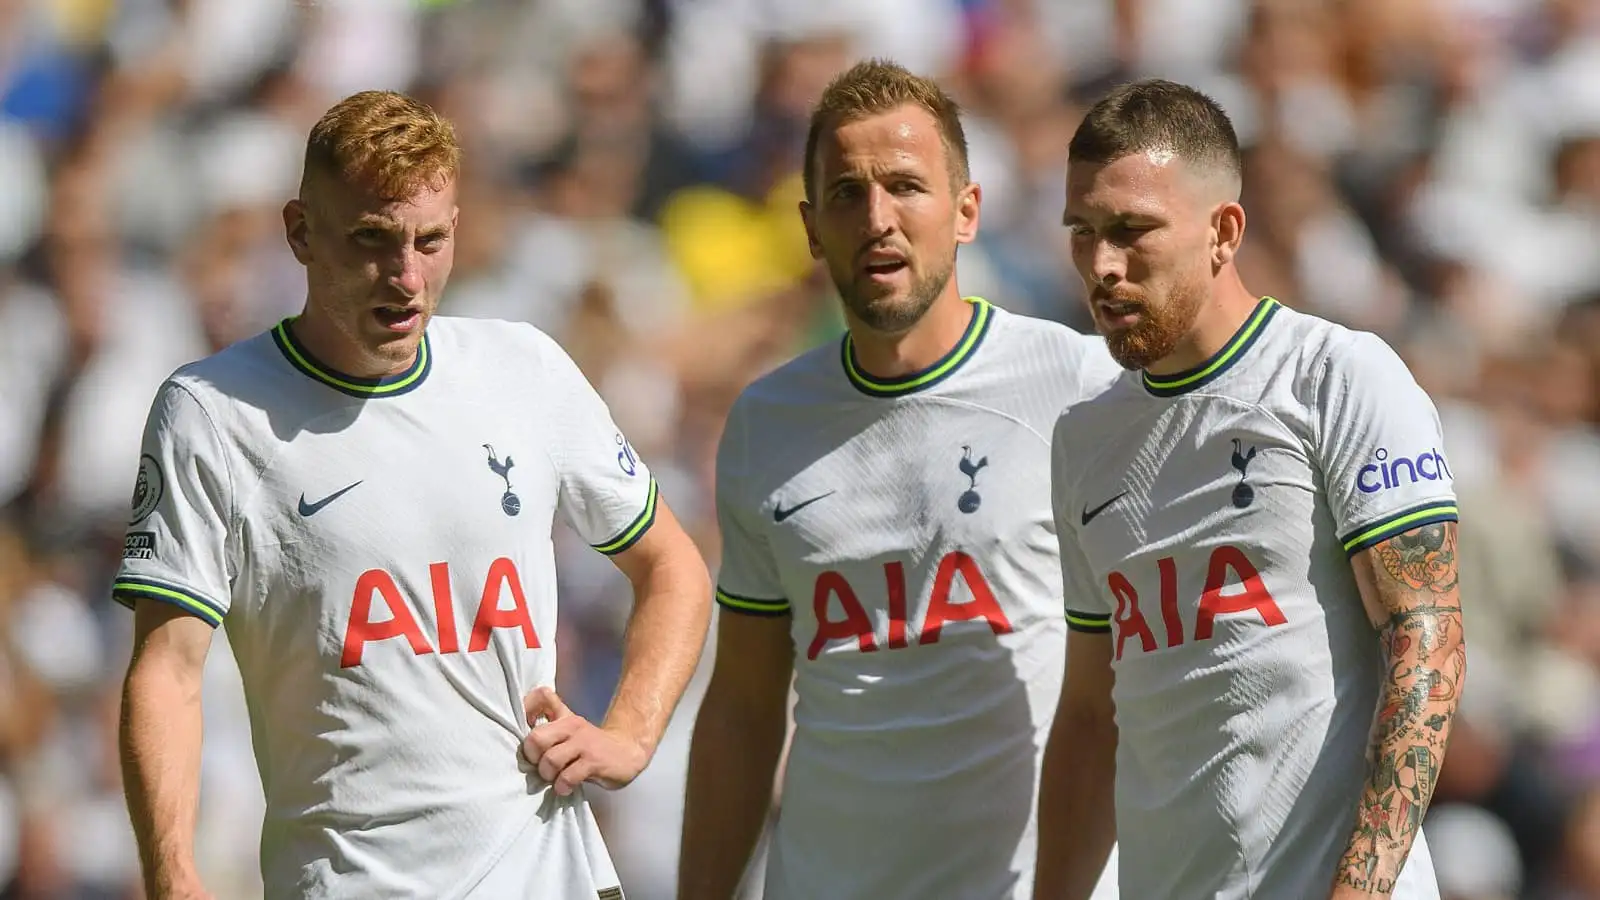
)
(1155, 114)
(878, 86)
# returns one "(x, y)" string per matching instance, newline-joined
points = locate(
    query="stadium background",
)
(1427, 169)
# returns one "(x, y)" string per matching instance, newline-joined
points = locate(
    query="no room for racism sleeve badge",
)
(147, 489)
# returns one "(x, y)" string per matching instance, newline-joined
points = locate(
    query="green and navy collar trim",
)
(1221, 361)
(388, 386)
(965, 349)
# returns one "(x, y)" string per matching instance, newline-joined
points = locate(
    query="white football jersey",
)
(380, 553)
(904, 527)
(1207, 520)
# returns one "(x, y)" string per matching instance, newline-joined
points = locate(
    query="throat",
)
(1215, 321)
(917, 349)
(331, 348)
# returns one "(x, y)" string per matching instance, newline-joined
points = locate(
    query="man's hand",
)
(569, 749)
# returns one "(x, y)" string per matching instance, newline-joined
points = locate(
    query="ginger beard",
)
(1160, 325)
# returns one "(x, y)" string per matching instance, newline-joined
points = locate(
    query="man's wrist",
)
(178, 879)
(633, 734)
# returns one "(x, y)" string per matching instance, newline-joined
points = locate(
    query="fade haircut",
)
(1162, 116)
(878, 86)
(384, 141)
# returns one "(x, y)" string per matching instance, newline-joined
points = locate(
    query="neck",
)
(1221, 316)
(333, 348)
(884, 355)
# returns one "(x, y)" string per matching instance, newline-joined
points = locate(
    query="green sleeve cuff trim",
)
(128, 589)
(636, 529)
(751, 605)
(1398, 523)
(1087, 622)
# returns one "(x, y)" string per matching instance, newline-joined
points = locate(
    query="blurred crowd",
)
(1425, 169)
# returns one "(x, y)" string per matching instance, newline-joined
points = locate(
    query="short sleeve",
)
(607, 494)
(1087, 608)
(1380, 446)
(177, 546)
(747, 581)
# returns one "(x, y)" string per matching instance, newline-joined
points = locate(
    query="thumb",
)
(544, 703)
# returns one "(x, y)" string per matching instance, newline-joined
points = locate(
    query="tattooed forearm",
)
(1411, 579)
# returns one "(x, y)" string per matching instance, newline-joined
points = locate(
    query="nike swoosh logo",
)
(779, 513)
(310, 509)
(1089, 514)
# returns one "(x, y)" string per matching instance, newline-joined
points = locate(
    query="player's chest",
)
(1197, 472)
(1200, 527)
(398, 485)
(963, 486)
(400, 536)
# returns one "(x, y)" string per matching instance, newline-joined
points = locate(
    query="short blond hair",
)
(877, 86)
(384, 141)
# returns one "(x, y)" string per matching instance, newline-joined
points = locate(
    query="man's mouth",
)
(398, 318)
(1117, 312)
(883, 263)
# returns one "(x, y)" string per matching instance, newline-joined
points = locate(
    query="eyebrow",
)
(373, 220)
(891, 174)
(1069, 220)
(385, 223)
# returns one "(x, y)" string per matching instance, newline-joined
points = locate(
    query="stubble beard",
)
(892, 315)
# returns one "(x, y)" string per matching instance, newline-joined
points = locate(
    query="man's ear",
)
(968, 203)
(1227, 228)
(808, 217)
(296, 230)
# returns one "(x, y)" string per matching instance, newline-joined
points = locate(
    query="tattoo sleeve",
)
(1408, 584)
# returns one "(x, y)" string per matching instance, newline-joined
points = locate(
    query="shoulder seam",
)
(227, 464)
(1317, 383)
(1098, 453)
(1339, 339)
(544, 372)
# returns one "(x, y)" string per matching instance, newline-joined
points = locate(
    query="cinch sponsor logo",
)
(1384, 473)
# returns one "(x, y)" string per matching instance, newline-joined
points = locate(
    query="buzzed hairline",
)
(1165, 120)
(1215, 179)
(1217, 175)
